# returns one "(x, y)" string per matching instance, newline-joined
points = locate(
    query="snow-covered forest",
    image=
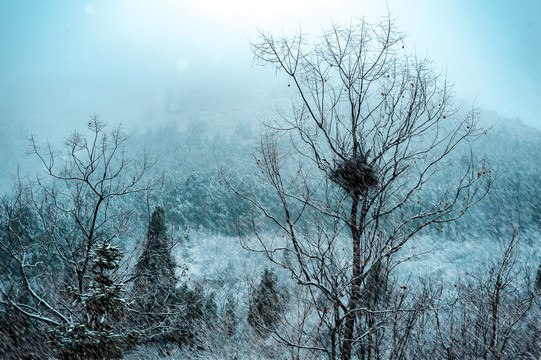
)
(356, 207)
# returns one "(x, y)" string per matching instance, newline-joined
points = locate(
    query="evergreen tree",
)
(158, 299)
(211, 311)
(97, 334)
(170, 314)
(156, 266)
(266, 304)
(229, 318)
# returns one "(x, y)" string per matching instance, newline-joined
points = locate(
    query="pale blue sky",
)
(64, 60)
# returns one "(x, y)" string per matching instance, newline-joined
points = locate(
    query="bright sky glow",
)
(120, 57)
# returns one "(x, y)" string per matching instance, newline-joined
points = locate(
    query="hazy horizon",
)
(64, 61)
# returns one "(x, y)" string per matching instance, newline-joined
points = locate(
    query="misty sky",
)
(62, 61)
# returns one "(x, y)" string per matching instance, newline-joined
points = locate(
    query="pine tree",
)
(155, 283)
(156, 266)
(266, 304)
(171, 314)
(211, 311)
(229, 318)
(158, 299)
(96, 334)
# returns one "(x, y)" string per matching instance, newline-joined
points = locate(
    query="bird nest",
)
(355, 176)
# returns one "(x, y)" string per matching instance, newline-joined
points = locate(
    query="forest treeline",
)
(150, 306)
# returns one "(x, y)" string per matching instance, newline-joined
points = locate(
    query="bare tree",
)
(79, 207)
(487, 318)
(367, 159)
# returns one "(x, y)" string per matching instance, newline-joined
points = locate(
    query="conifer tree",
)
(97, 335)
(155, 286)
(156, 267)
(211, 311)
(266, 304)
(230, 322)
(170, 314)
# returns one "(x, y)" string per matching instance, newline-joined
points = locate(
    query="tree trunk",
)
(349, 328)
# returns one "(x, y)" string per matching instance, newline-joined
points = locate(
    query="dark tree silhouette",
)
(266, 304)
(229, 318)
(155, 269)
